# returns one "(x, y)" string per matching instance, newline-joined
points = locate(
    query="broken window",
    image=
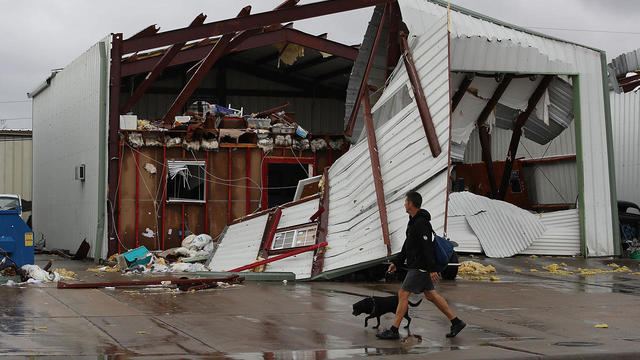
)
(186, 181)
(305, 236)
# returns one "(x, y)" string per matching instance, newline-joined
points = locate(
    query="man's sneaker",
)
(455, 329)
(389, 334)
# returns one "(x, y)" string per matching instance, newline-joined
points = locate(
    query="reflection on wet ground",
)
(524, 314)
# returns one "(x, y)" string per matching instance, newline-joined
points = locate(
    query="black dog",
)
(377, 306)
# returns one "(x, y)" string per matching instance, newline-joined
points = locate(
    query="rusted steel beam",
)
(217, 52)
(249, 22)
(365, 80)
(393, 39)
(375, 167)
(197, 53)
(323, 227)
(457, 97)
(483, 131)
(517, 133)
(274, 226)
(148, 31)
(311, 63)
(114, 138)
(158, 68)
(175, 281)
(548, 160)
(274, 110)
(279, 257)
(421, 100)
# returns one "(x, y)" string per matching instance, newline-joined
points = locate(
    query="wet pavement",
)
(524, 315)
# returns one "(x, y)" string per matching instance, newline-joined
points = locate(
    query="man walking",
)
(418, 251)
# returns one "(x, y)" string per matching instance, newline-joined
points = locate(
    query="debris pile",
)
(205, 126)
(471, 270)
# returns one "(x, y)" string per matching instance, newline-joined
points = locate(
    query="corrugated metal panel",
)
(17, 164)
(354, 233)
(298, 264)
(65, 135)
(502, 228)
(560, 109)
(625, 114)
(298, 214)
(458, 230)
(562, 236)
(240, 244)
(479, 45)
(552, 183)
(627, 62)
(315, 115)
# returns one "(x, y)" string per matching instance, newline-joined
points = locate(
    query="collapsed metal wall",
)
(479, 44)
(625, 111)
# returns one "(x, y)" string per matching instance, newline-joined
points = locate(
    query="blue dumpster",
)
(16, 238)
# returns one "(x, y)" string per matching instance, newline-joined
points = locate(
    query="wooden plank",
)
(218, 197)
(148, 192)
(238, 188)
(256, 177)
(127, 190)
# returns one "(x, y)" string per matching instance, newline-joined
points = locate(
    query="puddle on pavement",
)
(343, 353)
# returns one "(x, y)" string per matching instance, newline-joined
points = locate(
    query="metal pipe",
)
(137, 159)
(421, 100)
(279, 257)
(168, 281)
(375, 168)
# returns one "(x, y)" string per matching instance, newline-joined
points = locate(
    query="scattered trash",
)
(34, 281)
(10, 283)
(141, 332)
(472, 267)
(533, 256)
(109, 288)
(151, 169)
(533, 270)
(517, 270)
(494, 278)
(148, 233)
(601, 326)
(591, 272)
(137, 256)
(284, 282)
(554, 269)
(115, 268)
(36, 273)
(613, 265)
(43, 328)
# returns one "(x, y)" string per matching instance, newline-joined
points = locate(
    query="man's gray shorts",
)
(417, 281)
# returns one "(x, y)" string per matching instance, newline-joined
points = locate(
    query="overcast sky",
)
(40, 35)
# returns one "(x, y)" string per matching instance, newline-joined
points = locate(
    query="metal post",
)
(421, 100)
(517, 133)
(485, 139)
(375, 168)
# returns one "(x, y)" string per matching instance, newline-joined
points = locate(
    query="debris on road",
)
(601, 326)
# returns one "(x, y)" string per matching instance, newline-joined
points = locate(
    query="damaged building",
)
(505, 132)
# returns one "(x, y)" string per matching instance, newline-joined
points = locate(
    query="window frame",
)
(202, 163)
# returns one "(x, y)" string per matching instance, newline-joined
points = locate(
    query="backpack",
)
(443, 249)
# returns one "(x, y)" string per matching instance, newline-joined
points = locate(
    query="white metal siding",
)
(480, 45)
(561, 237)
(298, 214)
(65, 135)
(625, 119)
(298, 264)
(16, 165)
(240, 244)
(354, 232)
